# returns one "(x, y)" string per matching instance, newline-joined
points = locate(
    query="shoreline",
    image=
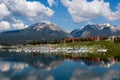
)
(72, 49)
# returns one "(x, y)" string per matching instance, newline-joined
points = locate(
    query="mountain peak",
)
(107, 24)
(102, 26)
(40, 25)
(42, 31)
(104, 30)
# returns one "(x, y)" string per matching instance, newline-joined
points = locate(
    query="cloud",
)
(23, 10)
(4, 25)
(18, 24)
(51, 2)
(27, 9)
(15, 24)
(3, 11)
(82, 10)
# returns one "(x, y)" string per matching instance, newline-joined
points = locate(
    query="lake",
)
(21, 66)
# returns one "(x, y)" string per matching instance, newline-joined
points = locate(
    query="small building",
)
(94, 38)
(65, 40)
(113, 38)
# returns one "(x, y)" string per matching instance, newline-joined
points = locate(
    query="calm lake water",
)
(19, 66)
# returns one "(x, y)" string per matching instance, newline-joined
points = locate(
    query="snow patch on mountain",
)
(40, 26)
(105, 29)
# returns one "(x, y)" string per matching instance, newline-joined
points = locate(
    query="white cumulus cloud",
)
(51, 2)
(22, 10)
(3, 11)
(82, 10)
(30, 10)
(18, 24)
(4, 25)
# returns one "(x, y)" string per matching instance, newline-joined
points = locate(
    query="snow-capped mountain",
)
(45, 31)
(40, 26)
(97, 30)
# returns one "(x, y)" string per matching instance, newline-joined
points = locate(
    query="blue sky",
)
(62, 17)
(68, 14)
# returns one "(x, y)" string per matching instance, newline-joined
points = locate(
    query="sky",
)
(68, 14)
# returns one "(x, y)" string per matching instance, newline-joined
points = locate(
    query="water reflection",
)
(28, 67)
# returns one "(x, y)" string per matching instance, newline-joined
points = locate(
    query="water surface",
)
(20, 66)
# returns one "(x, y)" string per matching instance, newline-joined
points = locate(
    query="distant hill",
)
(97, 30)
(45, 31)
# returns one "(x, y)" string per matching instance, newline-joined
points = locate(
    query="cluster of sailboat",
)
(45, 49)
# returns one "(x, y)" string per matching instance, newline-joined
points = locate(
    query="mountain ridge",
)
(44, 31)
(49, 32)
(96, 30)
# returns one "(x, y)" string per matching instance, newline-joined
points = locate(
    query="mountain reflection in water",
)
(14, 66)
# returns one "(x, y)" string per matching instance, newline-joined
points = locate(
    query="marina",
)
(45, 49)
